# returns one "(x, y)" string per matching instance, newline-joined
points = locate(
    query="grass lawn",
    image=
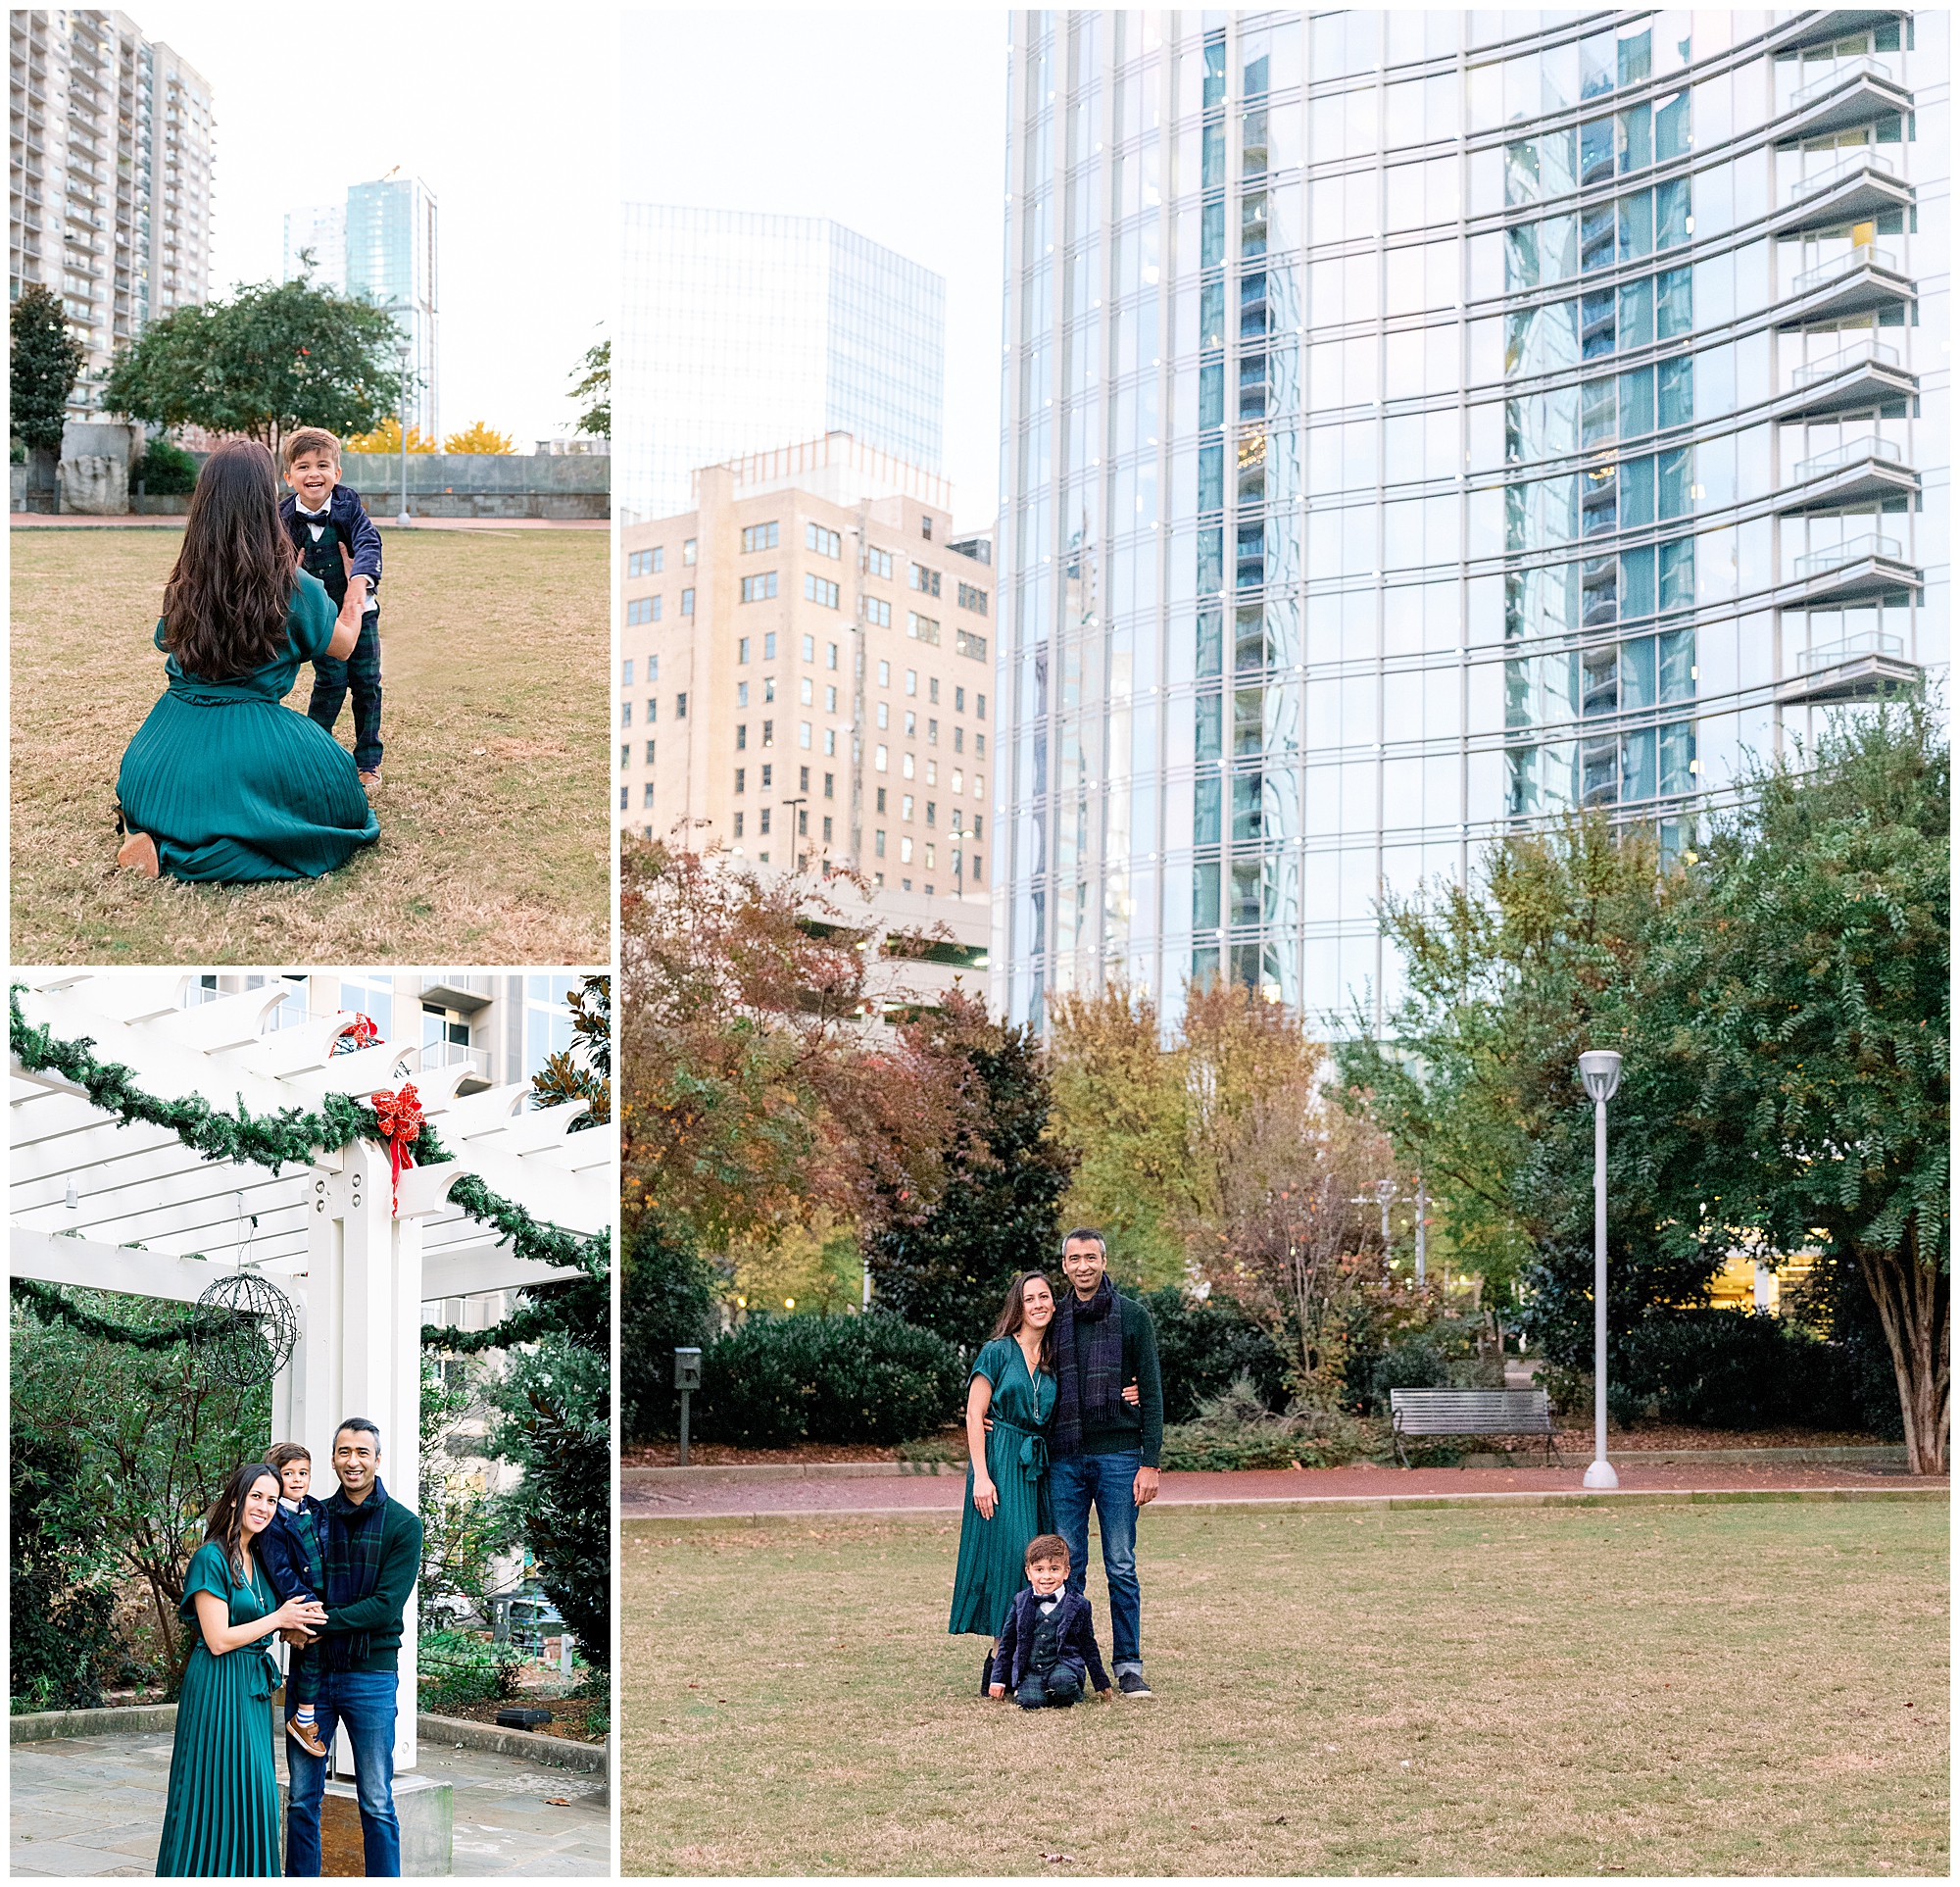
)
(1747, 1689)
(494, 843)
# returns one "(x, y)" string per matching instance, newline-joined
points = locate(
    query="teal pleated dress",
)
(221, 1816)
(234, 786)
(990, 1570)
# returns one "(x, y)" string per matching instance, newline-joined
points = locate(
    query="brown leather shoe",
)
(306, 1735)
(370, 781)
(138, 852)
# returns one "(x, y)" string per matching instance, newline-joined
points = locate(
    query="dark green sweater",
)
(1138, 1427)
(379, 1615)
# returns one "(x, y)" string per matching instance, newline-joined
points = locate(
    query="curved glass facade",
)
(1418, 424)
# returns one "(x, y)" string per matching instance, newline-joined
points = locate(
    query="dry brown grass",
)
(1748, 1689)
(495, 837)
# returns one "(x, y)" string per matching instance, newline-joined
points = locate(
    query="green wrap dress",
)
(990, 1570)
(234, 786)
(221, 1814)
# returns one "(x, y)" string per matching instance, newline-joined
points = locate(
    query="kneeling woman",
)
(223, 783)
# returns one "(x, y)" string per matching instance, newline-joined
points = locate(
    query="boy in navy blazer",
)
(1048, 1647)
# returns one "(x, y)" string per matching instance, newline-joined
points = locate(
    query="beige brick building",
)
(806, 677)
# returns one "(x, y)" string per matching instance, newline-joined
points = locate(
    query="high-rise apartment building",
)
(1418, 424)
(806, 674)
(110, 183)
(389, 257)
(318, 231)
(740, 331)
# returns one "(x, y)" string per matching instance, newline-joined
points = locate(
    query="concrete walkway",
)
(717, 1495)
(92, 1806)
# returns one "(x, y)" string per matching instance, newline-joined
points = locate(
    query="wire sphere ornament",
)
(245, 1330)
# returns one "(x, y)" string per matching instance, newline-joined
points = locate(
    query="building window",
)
(762, 822)
(769, 733)
(910, 768)
(626, 672)
(925, 529)
(687, 552)
(769, 777)
(830, 786)
(742, 651)
(818, 590)
(644, 563)
(924, 628)
(758, 537)
(878, 611)
(973, 599)
(657, 609)
(738, 824)
(808, 692)
(827, 543)
(625, 754)
(878, 841)
(803, 734)
(826, 828)
(912, 682)
(687, 602)
(809, 649)
(680, 707)
(741, 780)
(653, 708)
(879, 562)
(904, 849)
(741, 694)
(740, 735)
(759, 589)
(965, 642)
(652, 670)
(625, 713)
(958, 739)
(881, 761)
(639, 610)
(649, 753)
(830, 700)
(803, 779)
(980, 711)
(881, 799)
(769, 646)
(624, 792)
(925, 581)
(648, 798)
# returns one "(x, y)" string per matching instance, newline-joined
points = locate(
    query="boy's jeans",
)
(362, 672)
(1110, 1482)
(363, 1704)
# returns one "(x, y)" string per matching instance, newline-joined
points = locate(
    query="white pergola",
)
(86, 1190)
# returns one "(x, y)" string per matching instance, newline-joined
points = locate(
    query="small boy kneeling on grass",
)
(1048, 1647)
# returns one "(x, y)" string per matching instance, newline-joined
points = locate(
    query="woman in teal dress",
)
(221, 1816)
(223, 783)
(1010, 1402)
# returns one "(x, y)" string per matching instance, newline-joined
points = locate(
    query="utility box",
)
(687, 1368)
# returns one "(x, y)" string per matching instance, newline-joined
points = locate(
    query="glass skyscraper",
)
(390, 258)
(1417, 423)
(740, 333)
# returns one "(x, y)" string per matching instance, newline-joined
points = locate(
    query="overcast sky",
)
(892, 122)
(503, 112)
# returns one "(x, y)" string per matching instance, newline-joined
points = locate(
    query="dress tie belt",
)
(1033, 1454)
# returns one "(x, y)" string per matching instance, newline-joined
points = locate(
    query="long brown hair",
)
(225, 604)
(1014, 1313)
(224, 1524)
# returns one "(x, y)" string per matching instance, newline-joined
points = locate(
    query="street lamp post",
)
(796, 834)
(1422, 1235)
(1600, 1070)
(1385, 1190)
(402, 349)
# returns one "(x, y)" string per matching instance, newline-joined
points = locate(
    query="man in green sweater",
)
(1103, 1449)
(373, 1550)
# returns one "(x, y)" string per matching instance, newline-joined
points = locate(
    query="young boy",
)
(292, 1553)
(338, 543)
(1048, 1647)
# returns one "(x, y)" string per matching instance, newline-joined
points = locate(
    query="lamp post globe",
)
(1600, 1071)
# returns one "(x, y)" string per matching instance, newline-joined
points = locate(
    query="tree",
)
(666, 1302)
(757, 1088)
(476, 437)
(462, 1526)
(60, 1563)
(385, 439)
(44, 362)
(1005, 1179)
(556, 1408)
(277, 356)
(1805, 1009)
(596, 388)
(564, 1077)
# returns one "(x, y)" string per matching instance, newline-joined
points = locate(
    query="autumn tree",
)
(476, 437)
(386, 440)
(276, 356)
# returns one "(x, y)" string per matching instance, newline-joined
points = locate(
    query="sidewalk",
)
(91, 1807)
(719, 1493)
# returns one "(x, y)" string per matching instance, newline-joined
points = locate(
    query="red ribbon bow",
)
(399, 1115)
(358, 1034)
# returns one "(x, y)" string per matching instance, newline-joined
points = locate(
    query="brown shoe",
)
(306, 1736)
(138, 852)
(370, 781)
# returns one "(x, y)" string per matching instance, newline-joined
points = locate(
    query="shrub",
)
(63, 1599)
(668, 1300)
(873, 1378)
(1441, 1354)
(458, 1667)
(1235, 1429)
(163, 469)
(1731, 1370)
(1204, 1346)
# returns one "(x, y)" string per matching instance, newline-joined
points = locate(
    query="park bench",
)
(1471, 1411)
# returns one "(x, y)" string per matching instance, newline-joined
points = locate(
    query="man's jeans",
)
(360, 672)
(1110, 1482)
(362, 1703)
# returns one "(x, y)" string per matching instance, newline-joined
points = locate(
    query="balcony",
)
(1856, 188)
(1861, 667)
(1867, 565)
(441, 1054)
(1857, 91)
(1860, 471)
(457, 989)
(1863, 375)
(1865, 278)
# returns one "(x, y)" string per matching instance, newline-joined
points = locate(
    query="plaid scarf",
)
(1094, 1390)
(351, 1559)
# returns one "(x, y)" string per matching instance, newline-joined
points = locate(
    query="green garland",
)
(289, 1137)
(52, 1307)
